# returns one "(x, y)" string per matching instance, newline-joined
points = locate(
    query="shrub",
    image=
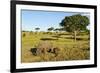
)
(24, 34)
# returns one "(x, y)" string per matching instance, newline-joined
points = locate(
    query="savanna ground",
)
(69, 49)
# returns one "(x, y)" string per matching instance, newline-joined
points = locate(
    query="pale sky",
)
(43, 19)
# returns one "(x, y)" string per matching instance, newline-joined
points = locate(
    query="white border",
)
(20, 65)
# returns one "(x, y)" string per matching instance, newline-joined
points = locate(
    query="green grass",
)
(69, 50)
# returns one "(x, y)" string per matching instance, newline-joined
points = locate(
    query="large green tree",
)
(75, 23)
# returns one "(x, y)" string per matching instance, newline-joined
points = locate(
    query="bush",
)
(24, 34)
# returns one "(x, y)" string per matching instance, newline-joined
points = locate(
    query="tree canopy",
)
(37, 28)
(50, 29)
(75, 23)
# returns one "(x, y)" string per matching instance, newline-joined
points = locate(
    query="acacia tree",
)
(50, 29)
(75, 23)
(56, 30)
(37, 29)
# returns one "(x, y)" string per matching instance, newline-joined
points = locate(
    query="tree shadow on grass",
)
(85, 39)
(48, 39)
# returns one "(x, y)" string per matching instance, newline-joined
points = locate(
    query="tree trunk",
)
(75, 35)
